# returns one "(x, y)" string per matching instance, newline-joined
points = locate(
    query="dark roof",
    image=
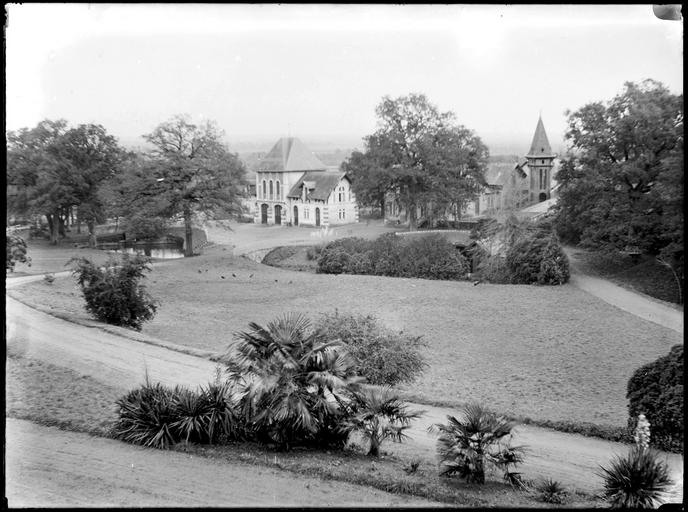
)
(290, 154)
(320, 184)
(540, 145)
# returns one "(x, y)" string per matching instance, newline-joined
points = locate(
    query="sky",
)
(317, 72)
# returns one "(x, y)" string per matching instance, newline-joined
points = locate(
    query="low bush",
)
(159, 417)
(638, 480)
(428, 257)
(383, 356)
(536, 257)
(379, 415)
(465, 446)
(114, 293)
(16, 252)
(551, 491)
(656, 390)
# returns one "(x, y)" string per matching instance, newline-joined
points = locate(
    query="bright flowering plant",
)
(642, 432)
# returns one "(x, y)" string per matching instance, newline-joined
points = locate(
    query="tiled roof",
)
(498, 173)
(323, 183)
(290, 154)
(540, 145)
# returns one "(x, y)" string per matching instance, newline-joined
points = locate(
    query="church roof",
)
(290, 154)
(540, 145)
(320, 184)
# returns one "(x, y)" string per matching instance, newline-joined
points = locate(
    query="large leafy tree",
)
(622, 179)
(422, 155)
(188, 173)
(53, 169)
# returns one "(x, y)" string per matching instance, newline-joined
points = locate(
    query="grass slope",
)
(547, 353)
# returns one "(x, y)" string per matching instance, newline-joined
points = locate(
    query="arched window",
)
(341, 194)
(277, 191)
(270, 189)
(264, 189)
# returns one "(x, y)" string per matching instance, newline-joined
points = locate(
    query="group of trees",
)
(55, 170)
(422, 156)
(621, 183)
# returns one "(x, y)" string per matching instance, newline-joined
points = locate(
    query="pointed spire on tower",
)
(540, 146)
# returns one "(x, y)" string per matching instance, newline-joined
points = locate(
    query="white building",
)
(294, 188)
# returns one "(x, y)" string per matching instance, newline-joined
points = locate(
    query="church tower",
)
(540, 163)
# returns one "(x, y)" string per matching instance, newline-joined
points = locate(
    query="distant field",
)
(549, 353)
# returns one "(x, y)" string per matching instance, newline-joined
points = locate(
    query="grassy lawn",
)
(547, 353)
(55, 396)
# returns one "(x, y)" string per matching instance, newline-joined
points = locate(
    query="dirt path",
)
(640, 305)
(46, 466)
(121, 362)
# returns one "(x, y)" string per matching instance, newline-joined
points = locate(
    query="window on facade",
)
(341, 194)
(277, 190)
(270, 189)
(264, 189)
(342, 214)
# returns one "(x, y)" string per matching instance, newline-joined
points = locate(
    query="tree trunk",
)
(412, 217)
(188, 250)
(374, 447)
(92, 240)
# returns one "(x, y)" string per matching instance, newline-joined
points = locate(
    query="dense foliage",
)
(16, 252)
(382, 356)
(519, 252)
(621, 184)
(114, 293)
(427, 256)
(157, 416)
(293, 382)
(656, 390)
(188, 172)
(53, 169)
(421, 156)
(637, 480)
(467, 445)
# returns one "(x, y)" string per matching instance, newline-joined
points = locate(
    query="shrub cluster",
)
(430, 257)
(288, 385)
(157, 416)
(383, 356)
(519, 252)
(537, 257)
(16, 252)
(656, 390)
(114, 293)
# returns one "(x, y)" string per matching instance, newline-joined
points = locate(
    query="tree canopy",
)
(53, 168)
(188, 172)
(422, 156)
(621, 183)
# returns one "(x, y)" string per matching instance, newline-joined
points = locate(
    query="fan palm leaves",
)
(379, 414)
(291, 378)
(465, 445)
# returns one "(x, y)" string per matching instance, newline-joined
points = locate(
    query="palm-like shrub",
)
(157, 416)
(147, 415)
(638, 480)
(465, 446)
(293, 381)
(379, 414)
(552, 491)
(114, 293)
